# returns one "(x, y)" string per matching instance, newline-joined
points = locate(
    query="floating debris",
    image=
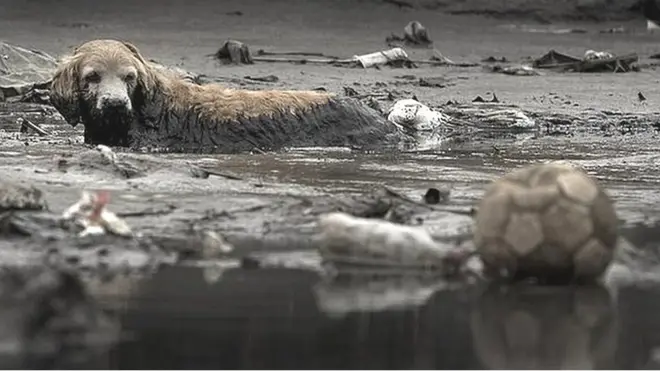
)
(413, 114)
(91, 214)
(345, 239)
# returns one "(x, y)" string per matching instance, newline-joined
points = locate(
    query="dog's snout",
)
(113, 102)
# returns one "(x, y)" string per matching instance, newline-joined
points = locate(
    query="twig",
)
(147, 212)
(305, 60)
(205, 173)
(23, 121)
(445, 63)
(304, 54)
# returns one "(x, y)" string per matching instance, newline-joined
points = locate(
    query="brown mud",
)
(264, 203)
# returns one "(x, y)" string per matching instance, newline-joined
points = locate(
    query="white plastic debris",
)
(91, 214)
(107, 153)
(381, 57)
(214, 245)
(346, 238)
(593, 55)
(413, 114)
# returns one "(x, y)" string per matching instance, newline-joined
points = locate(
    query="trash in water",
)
(91, 214)
(413, 114)
(107, 153)
(348, 240)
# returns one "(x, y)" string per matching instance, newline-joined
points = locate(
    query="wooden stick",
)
(305, 60)
(304, 54)
(28, 123)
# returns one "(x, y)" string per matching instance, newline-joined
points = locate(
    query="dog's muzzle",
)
(113, 104)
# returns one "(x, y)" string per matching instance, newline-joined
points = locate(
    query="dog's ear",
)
(135, 51)
(65, 91)
(146, 78)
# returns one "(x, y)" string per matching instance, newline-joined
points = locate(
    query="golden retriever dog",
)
(124, 100)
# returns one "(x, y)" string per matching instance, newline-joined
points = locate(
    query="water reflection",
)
(528, 327)
(365, 293)
(294, 318)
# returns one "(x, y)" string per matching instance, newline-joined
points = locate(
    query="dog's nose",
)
(108, 102)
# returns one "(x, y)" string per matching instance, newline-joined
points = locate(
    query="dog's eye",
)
(93, 77)
(129, 78)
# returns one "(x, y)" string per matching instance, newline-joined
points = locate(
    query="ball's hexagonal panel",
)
(567, 225)
(535, 199)
(523, 233)
(606, 222)
(578, 187)
(493, 212)
(592, 259)
(547, 174)
(548, 256)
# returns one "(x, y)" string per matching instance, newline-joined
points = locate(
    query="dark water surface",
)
(292, 319)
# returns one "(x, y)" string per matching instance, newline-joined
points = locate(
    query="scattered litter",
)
(214, 245)
(479, 99)
(107, 153)
(413, 114)
(435, 82)
(521, 70)
(269, 78)
(91, 214)
(394, 56)
(592, 62)
(492, 59)
(262, 52)
(414, 34)
(550, 30)
(204, 173)
(25, 124)
(234, 52)
(345, 239)
(591, 55)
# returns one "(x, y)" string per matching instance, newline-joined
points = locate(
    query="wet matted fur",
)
(123, 100)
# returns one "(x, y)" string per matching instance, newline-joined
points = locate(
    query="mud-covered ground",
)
(235, 317)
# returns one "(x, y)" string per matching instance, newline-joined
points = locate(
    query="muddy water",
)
(292, 319)
(205, 316)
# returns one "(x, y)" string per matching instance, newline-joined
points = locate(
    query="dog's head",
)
(101, 84)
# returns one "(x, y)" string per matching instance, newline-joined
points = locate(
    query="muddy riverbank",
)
(213, 314)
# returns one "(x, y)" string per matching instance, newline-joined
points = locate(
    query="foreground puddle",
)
(192, 318)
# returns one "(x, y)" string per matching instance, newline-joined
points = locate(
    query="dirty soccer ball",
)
(549, 222)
